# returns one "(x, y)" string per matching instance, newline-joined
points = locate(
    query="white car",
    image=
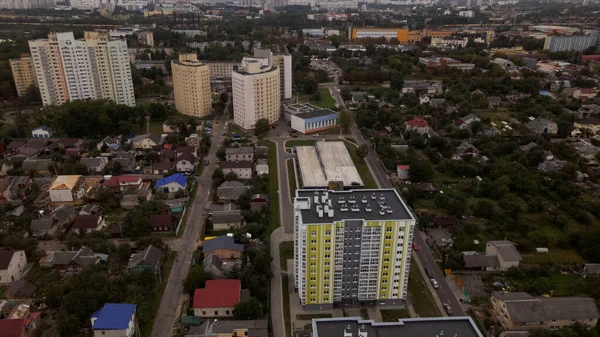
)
(435, 284)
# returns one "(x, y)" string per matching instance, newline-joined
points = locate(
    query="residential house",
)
(35, 166)
(402, 171)
(12, 328)
(231, 190)
(193, 140)
(586, 149)
(520, 311)
(243, 169)
(552, 165)
(464, 122)
(162, 223)
(88, 223)
(171, 184)
(67, 188)
(126, 160)
(33, 148)
(89, 209)
(527, 147)
(244, 153)
(262, 167)
(13, 188)
(258, 201)
(435, 102)
(253, 328)
(129, 201)
(162, 168)
(585, 93)
(186, 162)
(218, 298)
(542, 125)
(506, 254)
(42, 132)
(148, 258)
(465, 149)
(109, 143)
(441, 237)
(12, 265)
(94, 165)
(20, 289)
(71, 262)
(446, 221)
(588, 126)
(45, 227)
(115, 320)
(146, 141)
(124, 183)
(422, 87)
(227, 219)
(588, 110)
(224, 247)
(591, 269)
(262, 152)
(63, 216)
(418, 124)
(73, 146)
(424, 99)
(167, 155)
(494, 102)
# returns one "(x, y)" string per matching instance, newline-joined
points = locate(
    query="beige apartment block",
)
(256, 93)
(23, 73)
(191, 86)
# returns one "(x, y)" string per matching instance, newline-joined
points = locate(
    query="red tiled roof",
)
(161, 220)
(590, 57)
(458, 122)
(404, 167)
(86, 221)
(418, 122)
(12, 327)
(218, 294)
(115, 181)
(588, 90)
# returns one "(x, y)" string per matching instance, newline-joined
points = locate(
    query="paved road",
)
(166, 314)
(444, 293)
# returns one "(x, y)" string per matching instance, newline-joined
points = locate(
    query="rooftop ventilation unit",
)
(364, 200)
(382, 212)
(368, 209)
(389, 210)
(355, 209)
(344, 208)
(373, 196)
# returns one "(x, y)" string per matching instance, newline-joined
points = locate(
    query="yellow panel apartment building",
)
(23, 73)
(191, 86)
(351, 247)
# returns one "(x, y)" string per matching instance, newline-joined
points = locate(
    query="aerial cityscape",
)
(299, 168)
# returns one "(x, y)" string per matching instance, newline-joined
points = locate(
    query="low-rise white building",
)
(12, 265)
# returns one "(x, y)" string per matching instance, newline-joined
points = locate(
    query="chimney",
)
(362, 331)
(348, 331)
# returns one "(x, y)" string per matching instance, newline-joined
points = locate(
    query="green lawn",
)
(300, 142)
(495, 116)
(420, 296)
(326, 101)
(312, 316)
(291, 177)
(555, 256)
(361, 166)
(393, 315)
(286, 252)
(156, 127)
(273, 184)
(286, 304)
(146, 329)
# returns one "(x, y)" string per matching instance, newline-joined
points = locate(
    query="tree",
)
(262, 127)
(196, 278)
(362, 150)
(421, 171)
(346, 120)
(396, 80)
(248, 309)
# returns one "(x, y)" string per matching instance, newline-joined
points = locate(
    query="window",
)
(216, 313)
(313, 256)
(388, 229)
(226, 312)
(313, 241)
(327, 232)
(204, 313)
(313, 233)
(388, 237)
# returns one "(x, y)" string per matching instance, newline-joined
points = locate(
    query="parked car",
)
(429, 242)
(415, 246)
(448, 309)
(434, 283)
(429, 272)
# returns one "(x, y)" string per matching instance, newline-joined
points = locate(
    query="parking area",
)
(329, 66)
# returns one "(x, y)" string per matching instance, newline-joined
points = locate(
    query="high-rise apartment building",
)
(556, 43)
(26, 4)
(191, 86)
(69, 69)
(256, 93)
(351, 246)
(281, 61)
(23, 73)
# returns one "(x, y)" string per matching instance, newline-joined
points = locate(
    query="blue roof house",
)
(42, 132)
(171, 184)
(114, 320)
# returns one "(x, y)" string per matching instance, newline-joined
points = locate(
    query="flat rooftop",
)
(377, 204)
(317, 113)
(416, 327)
(325, 162)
